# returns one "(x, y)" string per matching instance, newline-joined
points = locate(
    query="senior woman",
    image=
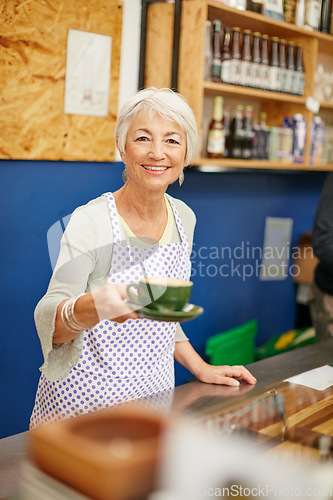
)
(97, 351)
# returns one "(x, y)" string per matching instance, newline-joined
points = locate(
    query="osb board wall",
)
(33, 42)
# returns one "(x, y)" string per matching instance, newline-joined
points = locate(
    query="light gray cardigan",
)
(83, 265)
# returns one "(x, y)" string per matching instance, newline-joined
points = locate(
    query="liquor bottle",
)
(226, 57)
(300, 13)
(216, 66)
(256, 60)
(237, 132)
(264, 146)
(255, 6)
(245, 62)
(227, 130)
(291, 76)
(216, 136)
(325, 16)
(274, 70)
(299, 125)
(312, 14)
(265, 67)
(248, 134)
(261, 139)
(289, 10)
(208, 52)
(283, 66)
(300, 77)
(235, 57)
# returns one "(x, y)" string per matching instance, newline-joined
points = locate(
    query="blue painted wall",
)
(231, 210)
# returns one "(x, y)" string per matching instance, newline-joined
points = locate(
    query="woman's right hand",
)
(110, 303)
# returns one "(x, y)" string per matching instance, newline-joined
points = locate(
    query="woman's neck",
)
(135, 203)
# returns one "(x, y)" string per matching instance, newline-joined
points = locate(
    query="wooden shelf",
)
(326, 105)
(325, 42)
(219, 165)
(260, 95)
(257, 22)
(199, 93)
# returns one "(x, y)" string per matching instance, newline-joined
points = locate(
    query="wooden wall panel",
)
(159, 45)
(33, 42)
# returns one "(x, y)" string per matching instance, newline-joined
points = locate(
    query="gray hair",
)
(168, 104)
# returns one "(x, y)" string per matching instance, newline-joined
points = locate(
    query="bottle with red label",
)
(216, 134)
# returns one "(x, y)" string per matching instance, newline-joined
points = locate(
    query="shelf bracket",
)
(176, 41)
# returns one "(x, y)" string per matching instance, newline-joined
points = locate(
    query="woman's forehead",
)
(147, 119)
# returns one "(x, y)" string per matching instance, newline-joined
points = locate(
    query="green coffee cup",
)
(162, 294)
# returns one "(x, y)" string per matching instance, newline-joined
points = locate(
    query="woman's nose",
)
(156, 152)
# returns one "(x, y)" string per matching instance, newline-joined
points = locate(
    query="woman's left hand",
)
(210, 374)
(226, 375)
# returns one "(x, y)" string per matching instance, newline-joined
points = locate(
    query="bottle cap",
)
(257, 33)
(217, 25)
(275, 38)
(247, 32)
(283, 41)
(236, 28)
(266, 37)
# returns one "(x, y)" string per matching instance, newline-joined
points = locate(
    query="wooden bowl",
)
(108, 454)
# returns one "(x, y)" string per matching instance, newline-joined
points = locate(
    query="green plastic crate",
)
(234, 346)
(286, 342)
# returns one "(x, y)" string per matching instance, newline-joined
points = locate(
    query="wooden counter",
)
(308, 412)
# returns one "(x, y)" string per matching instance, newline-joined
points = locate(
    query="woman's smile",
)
(155, 168)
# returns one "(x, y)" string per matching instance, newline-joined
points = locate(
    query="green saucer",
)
(190, 311)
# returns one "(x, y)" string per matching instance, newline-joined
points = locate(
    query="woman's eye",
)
(142, 138)
(173, 141)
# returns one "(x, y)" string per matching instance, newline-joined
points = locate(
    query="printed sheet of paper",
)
(276, 249)
(88, 69)
(319, 378)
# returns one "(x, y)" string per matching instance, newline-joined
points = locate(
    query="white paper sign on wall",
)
(88, 69)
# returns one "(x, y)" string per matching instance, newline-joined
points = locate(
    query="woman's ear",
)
(122, 155)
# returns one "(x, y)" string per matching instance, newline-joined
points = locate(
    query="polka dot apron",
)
(120, 361)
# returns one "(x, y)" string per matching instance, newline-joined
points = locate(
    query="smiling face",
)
(155, 151)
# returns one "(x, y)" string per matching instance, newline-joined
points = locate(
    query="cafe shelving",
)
(191, 70)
